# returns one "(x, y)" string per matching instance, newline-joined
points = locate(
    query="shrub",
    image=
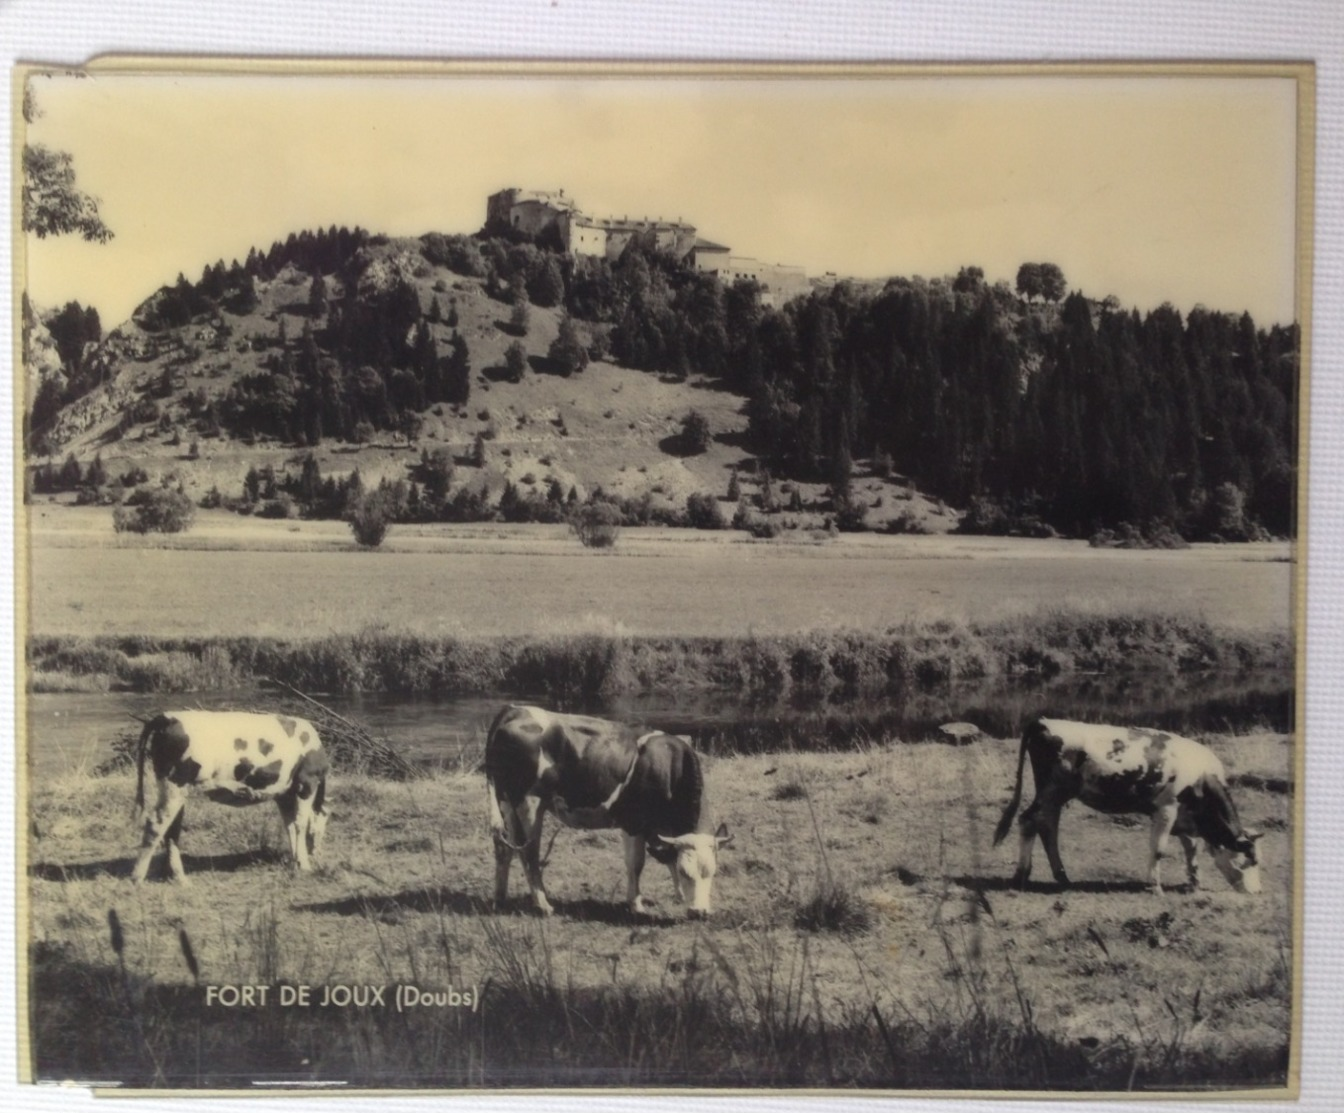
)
(907, 521)
(835, 908)
(851, 514)
(515, 362)
(597, 525)
(161, 511)
(703, 512)
(370, 516)
(758, 525)
(695, 434)
(280, 507)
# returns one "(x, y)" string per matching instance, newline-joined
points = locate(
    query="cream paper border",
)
(1302, 73)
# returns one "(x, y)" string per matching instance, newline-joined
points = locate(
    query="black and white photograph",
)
(753, 577)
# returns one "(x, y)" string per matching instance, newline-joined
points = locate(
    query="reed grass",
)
(571, 669)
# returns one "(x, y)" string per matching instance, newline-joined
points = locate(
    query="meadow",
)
(864, 935)
(234, 576)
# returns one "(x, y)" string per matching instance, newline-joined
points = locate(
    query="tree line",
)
(1038, 408)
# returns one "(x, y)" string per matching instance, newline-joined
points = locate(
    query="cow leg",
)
(1050, 840)
(1041, 818)
(507, 841)
(173, 841)
(530, 814)
(1191, 848)
(166, 811)
(633, 845)
(1026, 827)
(1164, 819)
(296, 813)
(503, 862)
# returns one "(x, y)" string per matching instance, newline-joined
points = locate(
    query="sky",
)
(1150, 188)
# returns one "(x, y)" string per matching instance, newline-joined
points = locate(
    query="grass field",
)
(234, 576)
(863, 934)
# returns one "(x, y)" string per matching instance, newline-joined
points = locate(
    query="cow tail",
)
(1006, 820)
(492, 803)
(149, 728)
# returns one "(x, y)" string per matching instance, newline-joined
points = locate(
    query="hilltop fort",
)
(535, 212)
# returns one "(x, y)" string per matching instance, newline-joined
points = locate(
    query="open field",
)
(928, 972)
(235, 576)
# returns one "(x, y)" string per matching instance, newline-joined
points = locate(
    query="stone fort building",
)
(536, 211)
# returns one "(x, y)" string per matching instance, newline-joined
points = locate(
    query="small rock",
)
(959, 734)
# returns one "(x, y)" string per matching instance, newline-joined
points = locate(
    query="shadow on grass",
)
(433, 900)
(441, 900)
(121, 867)
(1007, 885)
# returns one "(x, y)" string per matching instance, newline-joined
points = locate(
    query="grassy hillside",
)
(608, 426)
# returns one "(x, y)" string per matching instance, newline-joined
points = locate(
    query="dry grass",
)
(924, 951)
(282, 579)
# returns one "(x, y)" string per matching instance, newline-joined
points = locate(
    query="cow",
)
(597, 774)
(238, 758)
(1128, 770)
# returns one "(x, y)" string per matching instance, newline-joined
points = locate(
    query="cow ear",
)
(1255, 836)
(722, 835)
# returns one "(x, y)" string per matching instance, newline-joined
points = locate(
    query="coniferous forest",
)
(1035, 409)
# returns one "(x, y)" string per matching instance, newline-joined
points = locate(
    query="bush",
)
(369, 518)
(161, 511)
(703, 512)
(515, 362)
(758, 525)
(907, 521)
(695, 433)
(280, 507)
(851, 515)
(597, 525)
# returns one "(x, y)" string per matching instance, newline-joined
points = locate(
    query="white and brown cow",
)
(1178, 782)
(238, 758)
(593, 773)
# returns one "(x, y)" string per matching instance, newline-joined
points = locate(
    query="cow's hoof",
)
(544, 906)
(697, 914)
(1019, 880)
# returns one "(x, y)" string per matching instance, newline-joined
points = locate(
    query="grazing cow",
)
(1126, 770)
(593, 773)
(238, 758)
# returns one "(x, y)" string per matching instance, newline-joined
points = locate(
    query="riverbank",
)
(574, 669)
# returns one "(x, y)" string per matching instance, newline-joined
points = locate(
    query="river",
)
(76, 731)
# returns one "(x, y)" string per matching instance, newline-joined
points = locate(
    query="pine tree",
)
(567, 352)
(317, 295)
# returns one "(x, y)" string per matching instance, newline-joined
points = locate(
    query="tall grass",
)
(574, 669)
(751, 1019)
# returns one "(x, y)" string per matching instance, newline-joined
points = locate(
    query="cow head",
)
(694, 861)
(1239, 862)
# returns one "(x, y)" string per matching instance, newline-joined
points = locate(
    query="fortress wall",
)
(533, 217)
(582, 237)
(498, 206)
(535, 211)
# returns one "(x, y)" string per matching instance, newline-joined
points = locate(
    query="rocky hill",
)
(162, 381)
